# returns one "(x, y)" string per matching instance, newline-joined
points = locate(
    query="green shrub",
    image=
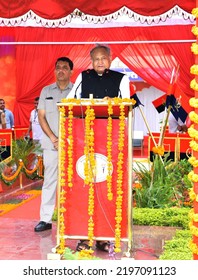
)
(165, 184)
(174, 217)
(178, 247)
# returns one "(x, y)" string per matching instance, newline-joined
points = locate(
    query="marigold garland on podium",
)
(95, 171)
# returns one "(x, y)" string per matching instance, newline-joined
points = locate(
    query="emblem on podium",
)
(101, 167)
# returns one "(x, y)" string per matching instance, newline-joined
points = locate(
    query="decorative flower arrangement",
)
(18, 200)
(10, 179)
(89, 168)
(70, 146)
(193, 132)
(193, 229)
(62, 183)
(114, 101)
(159, 150)
(24, 155)
(193, 144)
(71, 100)
(193, 195)
(193, 248)
(109, 150)
(193, 117)
(194, 49)
(193, 102)
(194, 85)
(193, 161)
(195, 12)
(193, 177)
(194, 30)
(194, 68)
(119, 192)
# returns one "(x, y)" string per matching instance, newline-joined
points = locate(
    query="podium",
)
(89, 173)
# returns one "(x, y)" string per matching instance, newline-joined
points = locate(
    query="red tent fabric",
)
(28, 53)
(56, 9)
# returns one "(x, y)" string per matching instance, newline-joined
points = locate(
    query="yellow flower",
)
(193, 102)
(109, 151)
(194, 85)
(195, 12)
(119, 192)
(137, 185)
(158, 150)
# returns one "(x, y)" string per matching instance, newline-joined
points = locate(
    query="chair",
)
(137, 141)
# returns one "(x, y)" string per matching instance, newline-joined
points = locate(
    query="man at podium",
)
(100, 82)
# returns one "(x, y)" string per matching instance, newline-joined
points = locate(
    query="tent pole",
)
(102, 42)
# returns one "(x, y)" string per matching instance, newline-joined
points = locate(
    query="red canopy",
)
(51, 9)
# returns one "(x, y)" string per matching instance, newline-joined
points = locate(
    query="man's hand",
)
(54, 140)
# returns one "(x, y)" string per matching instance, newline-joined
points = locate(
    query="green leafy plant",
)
(71, 255)
(25, 151)
(163, 185)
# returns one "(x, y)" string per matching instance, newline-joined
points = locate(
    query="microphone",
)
(119, 93)
(75, 94)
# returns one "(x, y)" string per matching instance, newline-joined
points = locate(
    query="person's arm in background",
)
(125, 87)
(182, 127)
(3, 120)
(46, 128)
(29, 129)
